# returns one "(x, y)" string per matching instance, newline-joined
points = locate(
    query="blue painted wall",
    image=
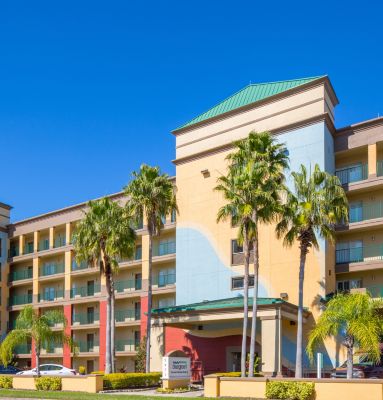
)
(201, 274)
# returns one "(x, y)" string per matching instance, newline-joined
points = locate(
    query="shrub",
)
(290, 390)
(235, 374)
(6, 382)
(133, 380)
(48, 383)
(81, 370)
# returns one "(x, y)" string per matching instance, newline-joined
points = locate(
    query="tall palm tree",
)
(356, 320)
(317, 204)
(37, 328)
(238, 207)
(102, 238)
(150, 194)
(261, 160)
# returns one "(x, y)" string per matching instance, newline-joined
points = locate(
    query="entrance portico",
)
(211, 331)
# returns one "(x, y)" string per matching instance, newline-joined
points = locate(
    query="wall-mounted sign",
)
(176, 368)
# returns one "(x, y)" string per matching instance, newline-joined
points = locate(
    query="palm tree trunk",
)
(350, 360)
(108, 355)
(113, 327)
(255, 307)
(37, 351)
(299, 355)
(149, 317)
(245, 303)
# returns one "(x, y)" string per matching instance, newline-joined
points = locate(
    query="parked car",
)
(363, 368)
(49, 369)
(9, 370)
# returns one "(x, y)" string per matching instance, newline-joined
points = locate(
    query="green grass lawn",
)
(34, 394)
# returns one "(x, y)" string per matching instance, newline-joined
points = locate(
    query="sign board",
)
(176, 368)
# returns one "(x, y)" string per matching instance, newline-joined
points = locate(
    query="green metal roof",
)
(250, 94)
(232, 302)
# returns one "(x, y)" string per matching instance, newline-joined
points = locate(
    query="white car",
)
(49, 369)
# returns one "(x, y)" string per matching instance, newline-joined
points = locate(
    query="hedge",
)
(235, 374)
(131, 380)
(48, 383)
(290, 390)
(6, 382)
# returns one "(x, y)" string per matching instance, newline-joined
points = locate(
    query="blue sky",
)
(91, 89)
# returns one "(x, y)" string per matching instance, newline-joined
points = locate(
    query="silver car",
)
(50, 369)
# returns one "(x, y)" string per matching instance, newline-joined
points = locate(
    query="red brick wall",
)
(67, 359)
(102, 337)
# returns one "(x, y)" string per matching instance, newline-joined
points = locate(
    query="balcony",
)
(126, 346)
(352, 174)
(162, 280)
(85, 318)
(20, 275)
(52, 269)
(379, 168)
(51, 295)
(25, 348)
(164, 248)
(84, 346)
(79, 267)
(137, 255)
(365, 211)
(59, 241)
(128, 285)
(85, 291)
(28, 248)
(14, 251)
(43, 245)
(367, 253)
(20, 299)
(126, 315)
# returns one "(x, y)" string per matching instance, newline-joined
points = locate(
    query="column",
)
(51, 237)
(36, 237)
(21, 244)
(102, 336)
(67, 357)
(36, 266)
(67, 276)
(68, 233)
(372, 159)
(271, 327)
(157, 345)
(33, 355)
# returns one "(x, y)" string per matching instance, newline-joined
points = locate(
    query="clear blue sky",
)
(91, 89)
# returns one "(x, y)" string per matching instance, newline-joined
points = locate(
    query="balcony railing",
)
(379, 168)
(126, 345)
(352, 174)
(85, 318)
(126, 315)
(51, 295)
(43, 245)
(21, 274)
(366, 253)
(84, 346)
(162, 280)
(77, 267)
(28, 248)
(25, 348)
(164, 248)
(52, 269)
(59, 241)
(128, 285)
(20, 299)
(365, 211)
(84, 291)
(14, 251)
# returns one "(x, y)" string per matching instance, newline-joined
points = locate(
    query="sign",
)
(176, 368)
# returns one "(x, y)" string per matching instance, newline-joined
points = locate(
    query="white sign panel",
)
(176, 368)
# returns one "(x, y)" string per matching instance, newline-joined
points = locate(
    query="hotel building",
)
(198, 284)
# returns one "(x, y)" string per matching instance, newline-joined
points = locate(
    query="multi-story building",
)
(200, 312)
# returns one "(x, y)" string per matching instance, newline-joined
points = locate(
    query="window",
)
(166, 302)
(237, 282)
(346, 286)
(237, 256)
(1, 247)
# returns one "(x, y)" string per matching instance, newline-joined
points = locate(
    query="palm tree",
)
(356, 320)
(150, 194)
(318, 203)
(31, 326)
(238, 207)
(102, 238)
(262, 161)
